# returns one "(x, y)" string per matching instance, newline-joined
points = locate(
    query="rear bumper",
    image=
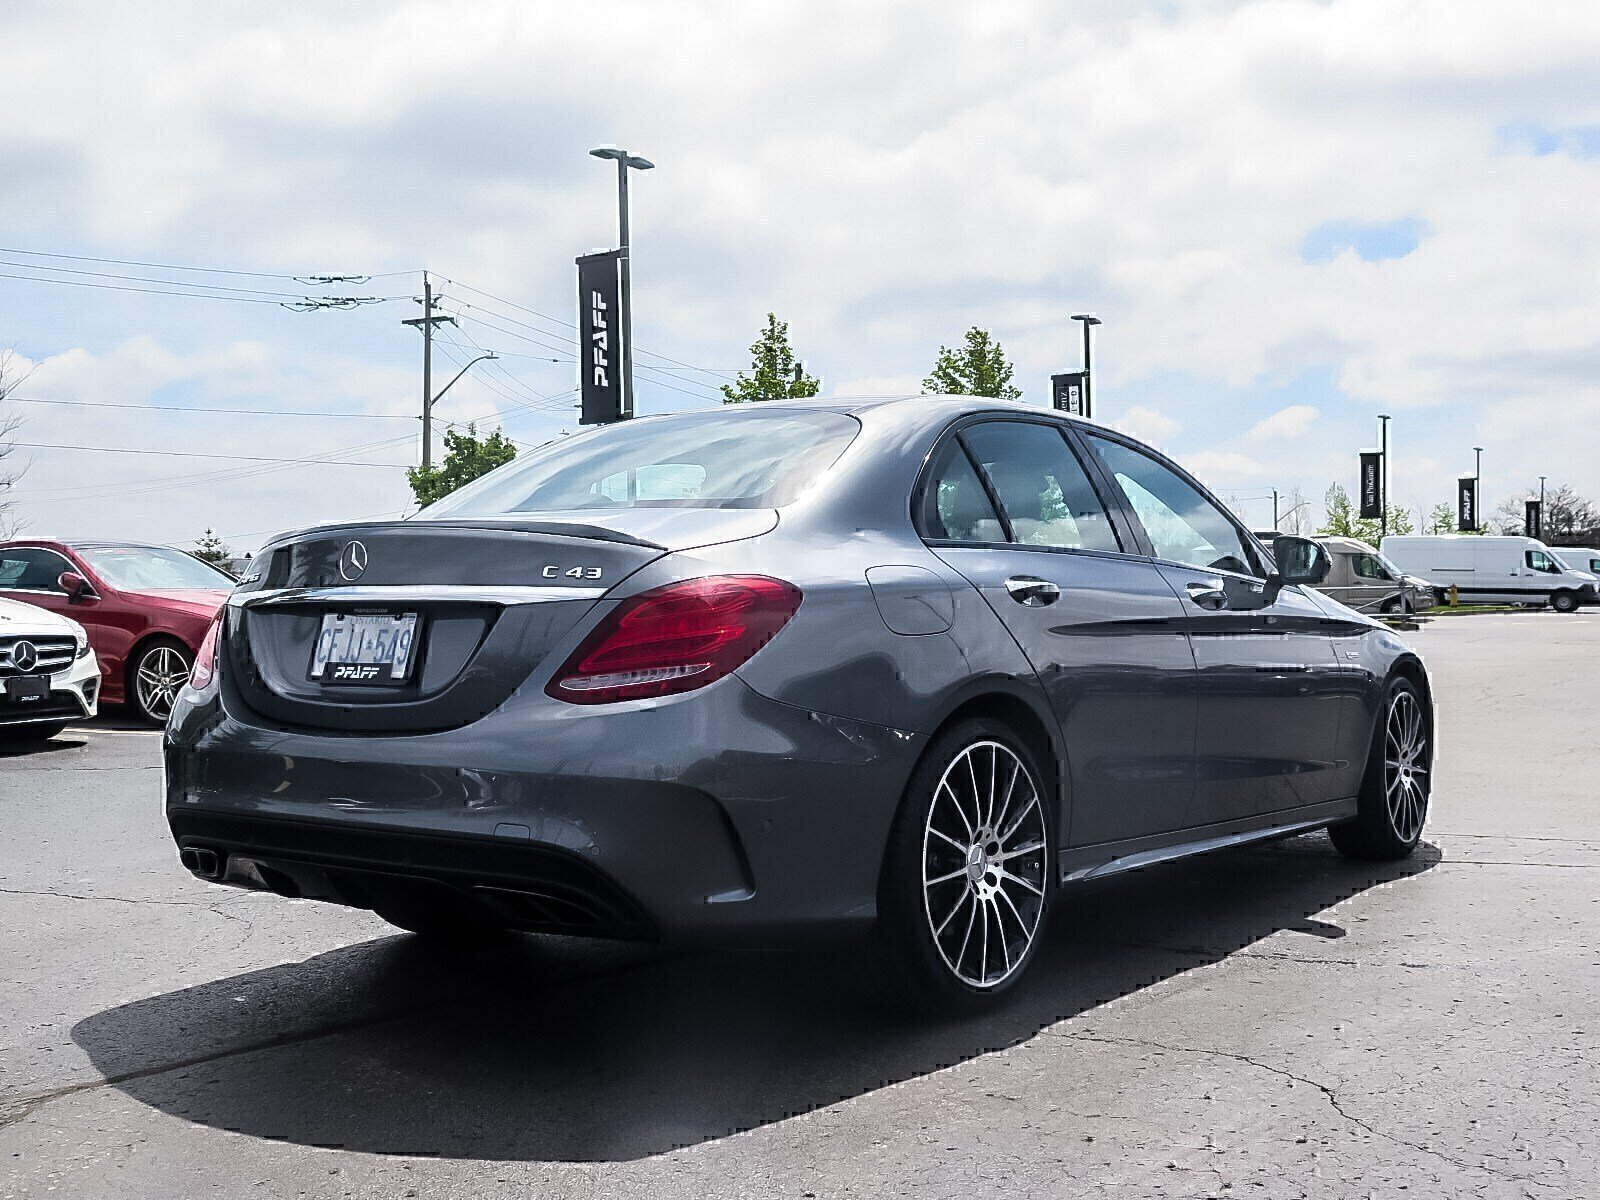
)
(717, 816)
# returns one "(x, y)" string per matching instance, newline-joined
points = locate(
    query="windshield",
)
(688, 460)
(153, 568)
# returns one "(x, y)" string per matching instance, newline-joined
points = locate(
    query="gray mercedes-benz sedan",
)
(903, 670)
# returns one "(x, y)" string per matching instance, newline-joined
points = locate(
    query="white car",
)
(48, 673)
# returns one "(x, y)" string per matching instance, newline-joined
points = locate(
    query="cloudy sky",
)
(1290, 215)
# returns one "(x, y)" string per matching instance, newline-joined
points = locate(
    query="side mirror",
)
(74, 585)
(1300, 560)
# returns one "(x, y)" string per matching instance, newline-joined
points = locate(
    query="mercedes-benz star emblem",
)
(24, 656)
(353, 561)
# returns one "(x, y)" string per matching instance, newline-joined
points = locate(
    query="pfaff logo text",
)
(600, 339)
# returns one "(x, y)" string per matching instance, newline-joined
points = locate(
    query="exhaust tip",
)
(200, 861)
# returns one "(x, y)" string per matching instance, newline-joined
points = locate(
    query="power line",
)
(179, 408)
(165, 483)
(209, 287)
(304, 304)
(191, 454)
(155, 266)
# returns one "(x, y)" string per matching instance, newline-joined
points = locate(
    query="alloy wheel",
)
(1405, 766)
(984, 864)
(162, 672)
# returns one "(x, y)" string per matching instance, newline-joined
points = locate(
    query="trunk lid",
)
(489, 598)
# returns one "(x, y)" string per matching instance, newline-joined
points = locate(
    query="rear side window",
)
(1183, 523)
(32, 570)
(954, 505)
(1042, 487)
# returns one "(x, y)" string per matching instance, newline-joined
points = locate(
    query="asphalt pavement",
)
(1269, 1022)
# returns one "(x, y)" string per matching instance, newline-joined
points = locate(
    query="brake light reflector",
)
(205, 659)
(675, 638)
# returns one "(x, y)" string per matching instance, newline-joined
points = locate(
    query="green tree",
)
(1342, 521)
(773, 374)
(979, 368)
(1442, 519)
(210, 548)
(466, 456)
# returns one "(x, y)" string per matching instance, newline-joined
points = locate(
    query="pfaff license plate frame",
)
(365, 649)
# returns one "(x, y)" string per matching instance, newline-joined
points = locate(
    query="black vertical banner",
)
(1066, 392)
(1533, 519)
(600, 338)
(1371, 484)
(1467, 504)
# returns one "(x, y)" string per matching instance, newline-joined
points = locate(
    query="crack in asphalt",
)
(1328, 1093)
(208, 905)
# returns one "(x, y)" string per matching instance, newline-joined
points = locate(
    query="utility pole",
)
(1477, 486)
(1274, 510)
(426, 322)
(1383, 487)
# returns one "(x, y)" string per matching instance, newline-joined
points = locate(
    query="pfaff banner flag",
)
(1066, 392)
(1533, 518)
(1371, 484)
(1466, 504)
(600, 339)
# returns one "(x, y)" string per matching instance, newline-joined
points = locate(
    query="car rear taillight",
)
(675, 638)
(205, 659)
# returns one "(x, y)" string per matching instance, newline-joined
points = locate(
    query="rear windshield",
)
(688, 460)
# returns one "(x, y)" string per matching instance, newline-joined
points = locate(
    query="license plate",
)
(28, 689)
(358, 648)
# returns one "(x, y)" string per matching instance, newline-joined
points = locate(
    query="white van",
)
(1494, 570)
(1579, 558)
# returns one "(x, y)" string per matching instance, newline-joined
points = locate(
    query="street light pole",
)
(1383, 487)
(624, 161)
(1088, 319)
(1477, 486)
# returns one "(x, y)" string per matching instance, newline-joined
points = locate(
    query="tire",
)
(1565, 602)
(1393, 804)
(29, 734)
(943, 871)
(1389, 605)
(155, 676)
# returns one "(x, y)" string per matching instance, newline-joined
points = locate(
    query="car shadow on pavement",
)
(548, 1049)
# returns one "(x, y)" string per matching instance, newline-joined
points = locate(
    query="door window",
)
(955, 506)
(1368, 567)
(1184, 524)
(1043, 489)
(24, 570)
(1540, 561)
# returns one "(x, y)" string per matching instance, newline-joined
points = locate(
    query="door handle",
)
(1209, 595)
(1031, 591)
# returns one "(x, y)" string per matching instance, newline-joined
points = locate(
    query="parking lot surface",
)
(1266, 1022)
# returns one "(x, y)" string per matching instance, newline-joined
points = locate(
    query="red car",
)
(147, 609)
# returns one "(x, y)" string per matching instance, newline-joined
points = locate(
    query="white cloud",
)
(1146, 424)
(1289, 422)
(905, 172)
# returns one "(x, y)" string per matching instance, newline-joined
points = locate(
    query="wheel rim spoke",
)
(986, 852)
(1405, 775)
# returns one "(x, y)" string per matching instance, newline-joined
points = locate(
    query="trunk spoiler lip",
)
(567, 529)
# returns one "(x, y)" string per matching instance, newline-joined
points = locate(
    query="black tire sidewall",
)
(1564, 602)
(1370, 833)
(902, 942)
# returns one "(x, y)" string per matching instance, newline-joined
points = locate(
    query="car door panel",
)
(1268, 684)
(1269, 694)
(1099, 625)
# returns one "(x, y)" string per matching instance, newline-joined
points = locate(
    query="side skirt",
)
(1083, 863)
